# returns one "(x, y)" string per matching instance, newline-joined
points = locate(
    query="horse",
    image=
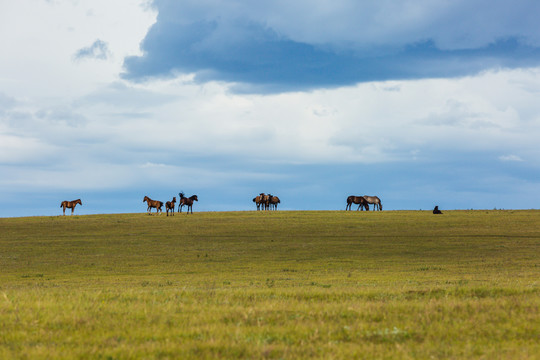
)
(70, 205)
(436, 210)
(187, 201)
(169, 205)
(274, 201)
(265, 200)
(258, 201)
(357, 200)
(153, 204)
(373, 200)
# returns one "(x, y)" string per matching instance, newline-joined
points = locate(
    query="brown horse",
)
(187, 201)
(258, 200)
(357, 200)
(265, 200)
(169, 205)
(70, 205)
(274, 201)
(153, 204)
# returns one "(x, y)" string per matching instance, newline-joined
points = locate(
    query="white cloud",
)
(42, 38)
(513, 158)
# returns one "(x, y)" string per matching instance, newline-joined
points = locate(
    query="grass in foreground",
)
(392, 284)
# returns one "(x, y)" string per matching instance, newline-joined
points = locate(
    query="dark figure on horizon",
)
(436, 210)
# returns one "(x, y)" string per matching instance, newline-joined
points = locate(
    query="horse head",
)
(194, 197)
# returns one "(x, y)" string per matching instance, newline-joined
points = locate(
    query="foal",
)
(169, 205)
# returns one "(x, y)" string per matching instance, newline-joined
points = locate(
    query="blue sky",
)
(422, 103)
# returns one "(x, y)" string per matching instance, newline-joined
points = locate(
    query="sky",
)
(421, 103)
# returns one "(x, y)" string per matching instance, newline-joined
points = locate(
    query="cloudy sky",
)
(422, 103)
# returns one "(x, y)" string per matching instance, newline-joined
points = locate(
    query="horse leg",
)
(64, 208)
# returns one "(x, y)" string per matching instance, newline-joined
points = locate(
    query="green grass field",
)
(277, 285)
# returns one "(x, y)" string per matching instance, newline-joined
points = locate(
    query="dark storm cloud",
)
(237, 45)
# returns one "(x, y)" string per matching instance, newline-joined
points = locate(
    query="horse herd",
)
(169, 205)
(266, 201)
(364, 202)
(262, 201)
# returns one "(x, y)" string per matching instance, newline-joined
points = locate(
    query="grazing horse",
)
(375, 201)
(187, 201)
(70, 205)
(169, 205)
(357, 200)
(153, 204)
(258, 201)
(274, 201)
(436, 210)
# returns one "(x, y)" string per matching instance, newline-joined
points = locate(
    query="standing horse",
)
(357, 200)
(274, 201)
(153, 204)
(187, 201)
(265, 200)
(169, 205)
(70, 205)
(258, 201)
(375, 201)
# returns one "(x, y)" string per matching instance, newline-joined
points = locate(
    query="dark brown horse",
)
(436, 211)
(357, 200)
(70, 205)
(169, 205)
(274, 201)
(187, 201)
(153, 204)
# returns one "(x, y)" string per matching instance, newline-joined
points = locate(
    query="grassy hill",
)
(391, 284)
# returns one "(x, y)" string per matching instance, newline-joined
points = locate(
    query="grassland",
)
(277, 285)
